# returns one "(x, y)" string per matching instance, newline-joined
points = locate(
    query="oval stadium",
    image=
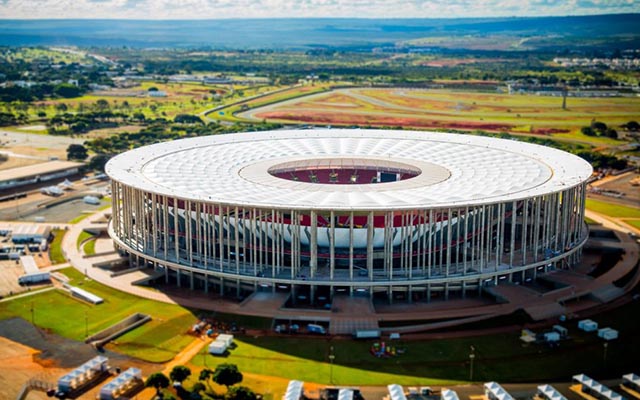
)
(400, 216)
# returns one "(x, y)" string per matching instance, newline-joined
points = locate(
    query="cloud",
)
(213, 9)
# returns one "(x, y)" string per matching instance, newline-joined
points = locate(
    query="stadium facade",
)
(393, 214)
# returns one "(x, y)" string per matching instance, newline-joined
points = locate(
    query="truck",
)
(366, 334)
(315, 328)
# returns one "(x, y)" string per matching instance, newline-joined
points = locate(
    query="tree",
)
(98, 162)
(66, 90)
(77, 152)
(633, 126)
(240, 393)
(102, 104)
(587, 131)
(227, 375)
(196, 389)
(158, 381)
(611, 133)
(179, 373)
(205, 375)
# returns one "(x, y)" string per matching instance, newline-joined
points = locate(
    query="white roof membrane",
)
(457, 170)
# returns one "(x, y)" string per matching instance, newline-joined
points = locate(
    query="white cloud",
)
(212, 9)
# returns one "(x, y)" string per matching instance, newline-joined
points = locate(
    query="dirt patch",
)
(17, 366)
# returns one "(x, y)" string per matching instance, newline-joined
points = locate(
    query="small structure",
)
(83, 375)
(608, 334)
(345, 394)
(295, 391)
(494, 391)
(368, 334)
(226, 339)
(93, 200)
(31, 272)
(217, 348)
(37, 173)
(588, 325)
(631, 381)
(85, 296)
(121, 384)
(548, 392)
(595, 389)
(396, 392)
(221, 344)
(551, 337)
(448, 394)
(527, 336)
(564, 332)
(30, 233)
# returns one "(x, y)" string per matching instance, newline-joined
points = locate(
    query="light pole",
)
(472, 356)
(604, 355)
(32, 315)
(86, 324)
(331, 358)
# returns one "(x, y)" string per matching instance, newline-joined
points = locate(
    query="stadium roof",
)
(457, 170)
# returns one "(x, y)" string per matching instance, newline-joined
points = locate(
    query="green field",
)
(498, 357)
(157, 341)
(55, 248)
(613, 210)
(454, 109)
(633, 222)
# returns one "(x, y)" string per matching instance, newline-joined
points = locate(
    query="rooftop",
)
(455, 170)
(37, 169)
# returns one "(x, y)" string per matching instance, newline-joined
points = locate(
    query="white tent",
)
(448, 394)
(494, 391)
(224, 338)
(632, 381)
(550, 393)
(121, 383)
(345, 394)
(217, 348)
(595, 388)
(396, 392)
(294, 390)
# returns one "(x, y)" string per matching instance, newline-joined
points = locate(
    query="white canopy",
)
(396, 392)
(294, 390)
(550, 393)
(631, 378)
(448, 394)
(345, 394)
(497, 392)
(596, 387)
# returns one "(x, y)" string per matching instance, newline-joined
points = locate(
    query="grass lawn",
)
(90, 247)
(55, 249)
(613, 210)
(633, 222)
(157, 341)
(590, 221)
(501, 357)
(84, 235)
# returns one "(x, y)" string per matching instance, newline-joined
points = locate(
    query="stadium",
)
(390, 215)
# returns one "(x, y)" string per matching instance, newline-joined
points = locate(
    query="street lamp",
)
(472, 356)
(32, 315)
(86, 324)
(331, 358)
(604, 356)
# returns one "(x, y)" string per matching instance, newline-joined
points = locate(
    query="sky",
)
(214, 9)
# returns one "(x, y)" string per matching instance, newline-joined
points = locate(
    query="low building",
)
(44, 172)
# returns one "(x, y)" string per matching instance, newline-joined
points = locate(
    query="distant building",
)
(44, 172)
(157, 93)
